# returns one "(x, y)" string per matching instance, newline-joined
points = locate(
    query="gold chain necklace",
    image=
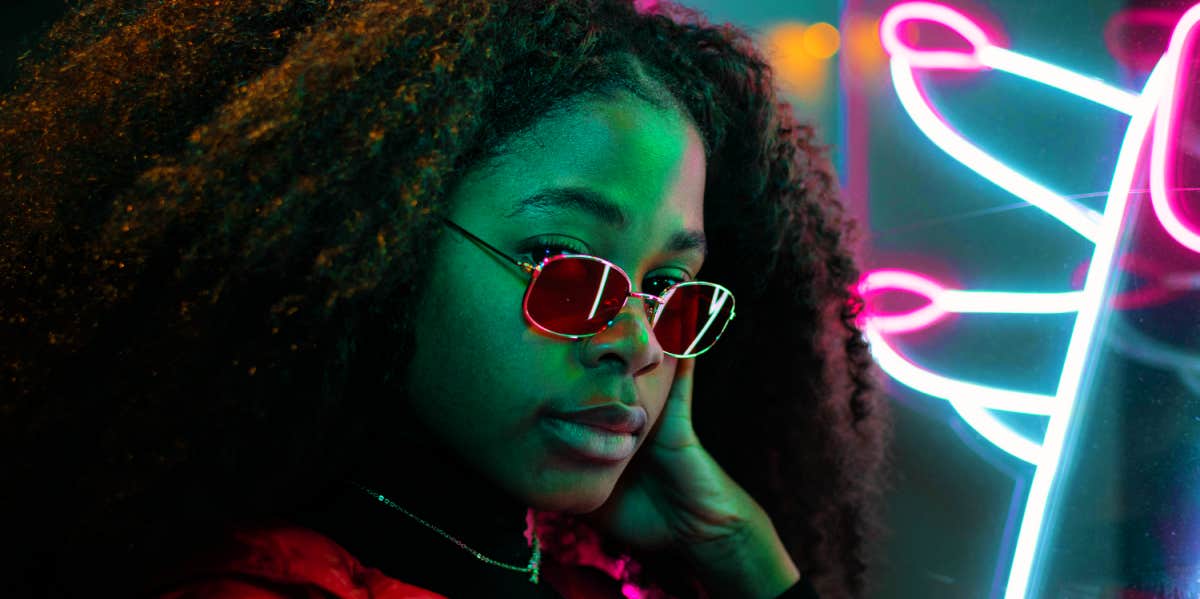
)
(531, 569)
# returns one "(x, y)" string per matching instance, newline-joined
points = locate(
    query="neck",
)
(441, 490)
(433, 485)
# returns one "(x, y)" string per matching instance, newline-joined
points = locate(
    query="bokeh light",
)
(821, 40)
(863, 53)
(798, 70)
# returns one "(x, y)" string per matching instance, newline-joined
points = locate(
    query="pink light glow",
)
(889, 32)
(1161, 284)
(645, 6)
(632, 591)
(1166, 133)
(1133, 36)
(943, 301)
(880, 281)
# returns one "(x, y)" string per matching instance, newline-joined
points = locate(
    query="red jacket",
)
(280, 563)
(287, 561)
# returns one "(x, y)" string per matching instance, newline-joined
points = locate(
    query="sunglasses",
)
(577, 296)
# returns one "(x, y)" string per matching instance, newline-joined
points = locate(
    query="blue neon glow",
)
(973, 401)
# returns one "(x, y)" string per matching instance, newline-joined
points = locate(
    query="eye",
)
(538, 249)
(658, 284)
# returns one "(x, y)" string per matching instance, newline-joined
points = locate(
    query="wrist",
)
(751, 563)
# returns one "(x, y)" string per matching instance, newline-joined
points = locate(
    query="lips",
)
(612, 417)
(605, 435)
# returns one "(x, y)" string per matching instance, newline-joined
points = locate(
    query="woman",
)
(273, 274)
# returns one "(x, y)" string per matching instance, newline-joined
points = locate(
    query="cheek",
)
(472, 308)
(474, 378)
(654, 388)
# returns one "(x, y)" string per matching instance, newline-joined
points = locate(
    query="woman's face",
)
(630, 189)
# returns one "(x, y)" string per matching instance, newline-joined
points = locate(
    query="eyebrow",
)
(594, 203)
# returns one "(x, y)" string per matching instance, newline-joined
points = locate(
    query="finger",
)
(675, 425)
(681, 388)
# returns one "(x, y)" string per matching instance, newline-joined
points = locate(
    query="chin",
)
(581, 499)
(586, 506)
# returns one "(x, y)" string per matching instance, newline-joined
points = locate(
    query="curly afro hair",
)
(216, 214)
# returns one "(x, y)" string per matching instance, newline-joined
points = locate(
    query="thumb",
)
(676, 421)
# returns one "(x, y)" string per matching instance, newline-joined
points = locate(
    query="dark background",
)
(22, 23)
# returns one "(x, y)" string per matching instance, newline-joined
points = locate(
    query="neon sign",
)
(1154, 116)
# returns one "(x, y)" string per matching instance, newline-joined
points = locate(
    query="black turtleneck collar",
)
(429, 482)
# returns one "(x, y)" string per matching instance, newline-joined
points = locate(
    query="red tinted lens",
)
(693, 318)
(576, 296)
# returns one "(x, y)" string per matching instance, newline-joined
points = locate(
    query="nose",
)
(628, 340)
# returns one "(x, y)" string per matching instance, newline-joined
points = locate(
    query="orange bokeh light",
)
(797, 71)
(864, 53)
(821, 40)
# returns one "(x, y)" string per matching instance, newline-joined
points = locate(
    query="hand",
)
(675, 495)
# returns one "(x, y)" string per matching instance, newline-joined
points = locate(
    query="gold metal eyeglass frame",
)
(653, 303)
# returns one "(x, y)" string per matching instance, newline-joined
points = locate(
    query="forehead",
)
(648, 161)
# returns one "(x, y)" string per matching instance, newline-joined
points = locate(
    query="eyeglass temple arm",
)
(525, 266)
